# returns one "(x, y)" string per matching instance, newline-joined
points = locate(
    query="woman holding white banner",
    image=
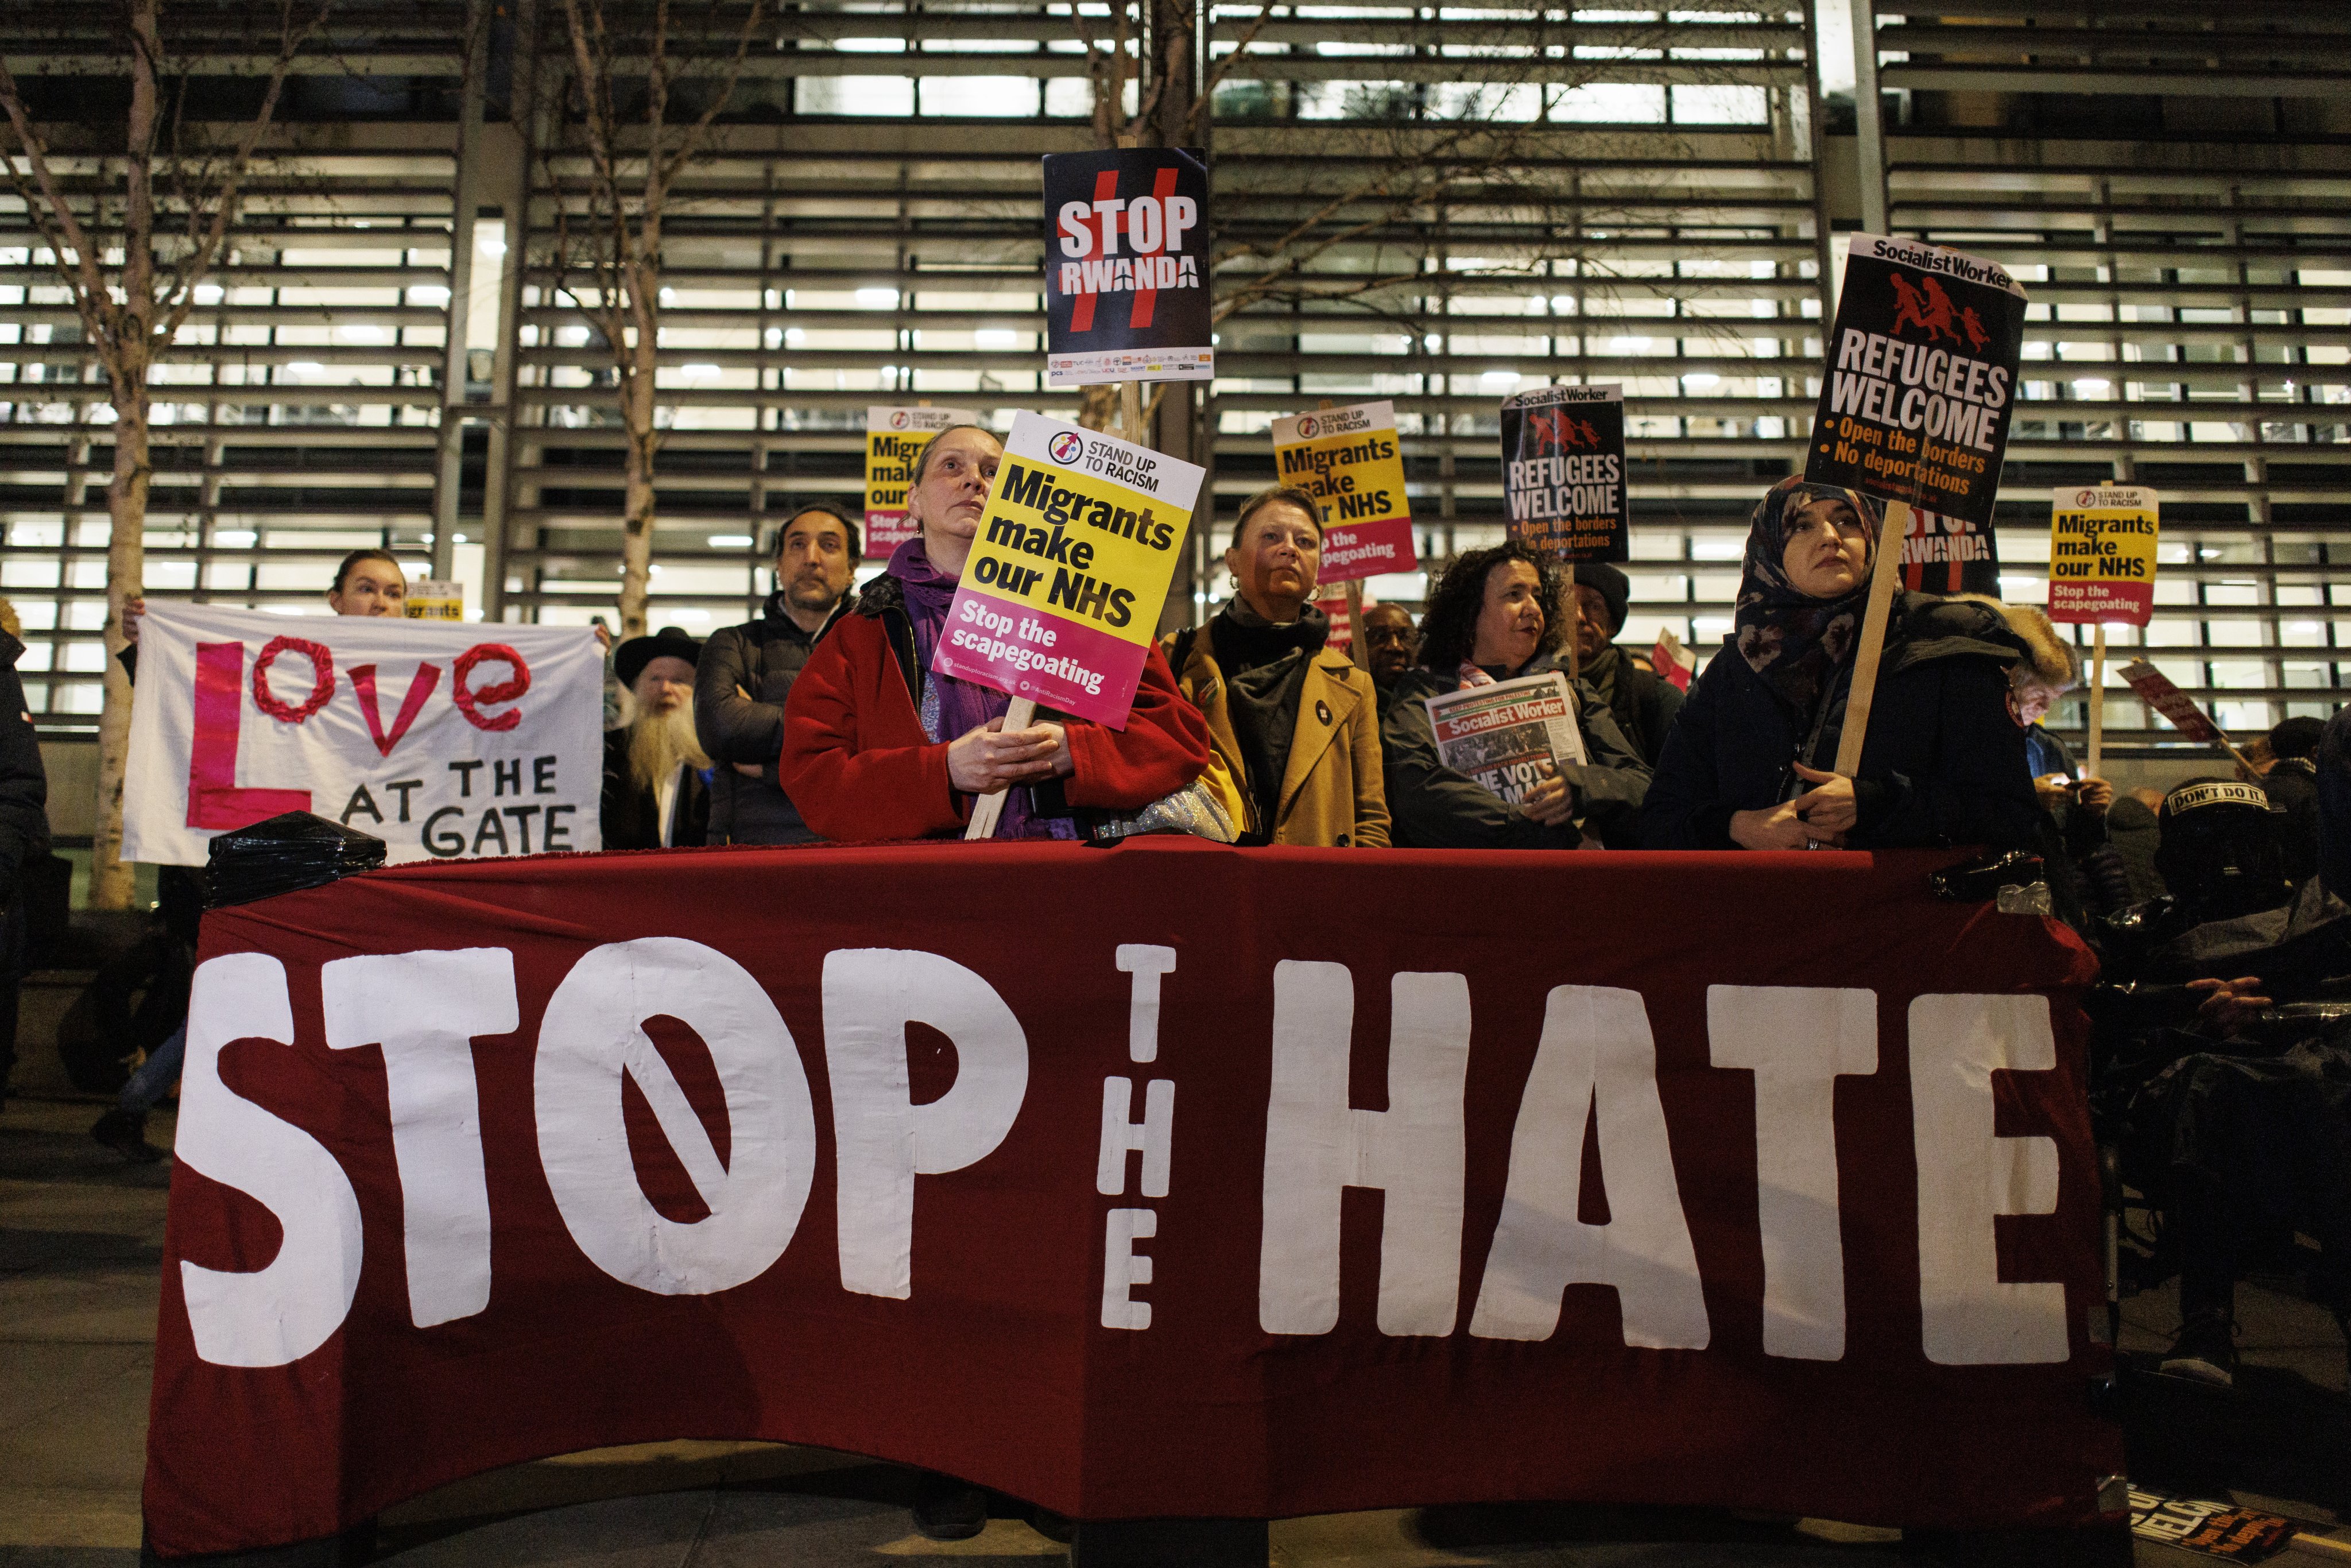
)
(877, 745)
(1495, 616)
(1746, 765)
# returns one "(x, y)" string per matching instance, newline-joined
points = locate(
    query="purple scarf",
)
(960, 706)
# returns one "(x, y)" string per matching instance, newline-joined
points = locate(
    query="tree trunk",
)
(637, 516)
(111, 883)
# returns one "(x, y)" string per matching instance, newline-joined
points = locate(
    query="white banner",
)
(445, 741)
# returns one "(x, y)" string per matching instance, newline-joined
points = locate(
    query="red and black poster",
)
(1126, 266)
(1564, 471)
(1920, 379)
(1943, 554)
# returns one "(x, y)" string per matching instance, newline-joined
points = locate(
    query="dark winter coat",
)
(1643, 705)
(23, 785)
(1944, 762)
(761, 658)
(631, 813)
(2291, 785)
(1431, 806)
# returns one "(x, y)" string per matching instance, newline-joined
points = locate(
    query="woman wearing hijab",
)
(1748, 764)
(876, 745)
(1490, 619)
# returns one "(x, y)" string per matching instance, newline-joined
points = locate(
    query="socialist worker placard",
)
(1921, 378)
(1564, 471)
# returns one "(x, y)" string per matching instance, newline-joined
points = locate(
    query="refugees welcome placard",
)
(1564, 471)
(1921, 378)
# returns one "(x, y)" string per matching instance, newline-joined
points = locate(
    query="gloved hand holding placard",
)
(1061, 596)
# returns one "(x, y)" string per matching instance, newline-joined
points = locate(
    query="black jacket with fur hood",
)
(1944, 762)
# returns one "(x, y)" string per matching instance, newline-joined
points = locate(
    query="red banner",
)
(1167, 1179)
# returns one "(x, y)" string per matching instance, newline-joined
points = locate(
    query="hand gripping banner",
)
(483, 1163)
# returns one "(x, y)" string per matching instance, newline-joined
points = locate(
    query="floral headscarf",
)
(1791, 639)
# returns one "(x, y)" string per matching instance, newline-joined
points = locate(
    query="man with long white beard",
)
(655, 793)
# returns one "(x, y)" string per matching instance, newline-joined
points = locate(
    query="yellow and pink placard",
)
(1061, 596)
(2102, 554)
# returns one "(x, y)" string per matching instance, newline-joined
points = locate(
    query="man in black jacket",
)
(747, 671)
(1642, 703)
(24, 833)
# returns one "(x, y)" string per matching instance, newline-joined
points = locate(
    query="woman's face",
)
(1510, 623)
(954, 488)
(1827, 553)
(371, 588)
(1275, 563)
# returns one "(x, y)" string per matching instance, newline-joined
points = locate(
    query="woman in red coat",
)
(878, 747)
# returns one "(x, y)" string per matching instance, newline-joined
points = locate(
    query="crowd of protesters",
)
(2221, 1056)
(2222, 1039)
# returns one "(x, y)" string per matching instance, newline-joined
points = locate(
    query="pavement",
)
(81, 1236)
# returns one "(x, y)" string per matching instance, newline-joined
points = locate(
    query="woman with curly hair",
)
(1748, 763)
(1495, 615)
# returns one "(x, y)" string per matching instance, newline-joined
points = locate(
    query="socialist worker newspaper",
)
(1509, 736)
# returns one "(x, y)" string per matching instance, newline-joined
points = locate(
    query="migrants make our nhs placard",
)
(1061, 595)
(1127, 267)
(1920, 379)
(894, 437)
(1349, 460)
(1564, 471)
(443, 741)
(2101, 541)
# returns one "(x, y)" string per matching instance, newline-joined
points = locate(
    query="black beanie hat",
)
(1615, 589)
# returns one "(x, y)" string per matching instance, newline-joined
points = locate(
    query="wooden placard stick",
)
(1885, 577)
(2097, 696)
(1354, 589)
(988, 810)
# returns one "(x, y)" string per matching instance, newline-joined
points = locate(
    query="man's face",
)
(1390, 641)
(813, 565)
(1592, 632)
(663, 685)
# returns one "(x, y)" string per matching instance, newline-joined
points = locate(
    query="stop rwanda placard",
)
(1126, 266)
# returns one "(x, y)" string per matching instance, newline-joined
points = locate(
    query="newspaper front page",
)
(1509, 736)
